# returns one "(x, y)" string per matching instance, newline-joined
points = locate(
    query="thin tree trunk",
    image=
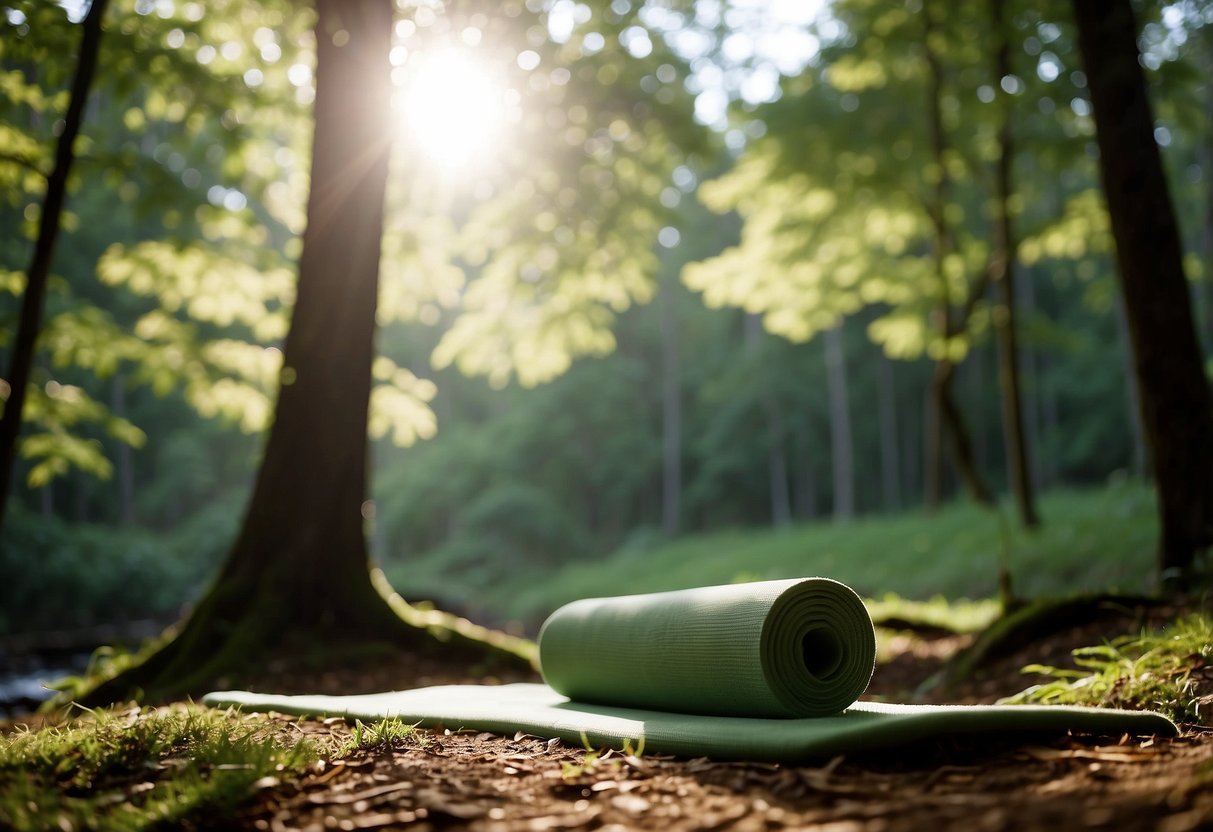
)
(1026, 306)
(1141, 457)
(886, 405)
(671, 412)
(1050, 414)
(46, 500)
(912, 435)
(777, 466)
(806, 489)
(1206, 236)
(1176, 406)
(49, 222)
(840, 424)
(1002, 269)
(944, 415)
(933, 415)
(932, 450)
(125, 467)
(958, 433)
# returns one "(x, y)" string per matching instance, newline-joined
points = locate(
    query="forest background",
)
(685, 287)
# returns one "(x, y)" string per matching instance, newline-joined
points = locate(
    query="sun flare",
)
(452, 108)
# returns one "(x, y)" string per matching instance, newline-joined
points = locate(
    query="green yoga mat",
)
(766, 671)
(771, 649)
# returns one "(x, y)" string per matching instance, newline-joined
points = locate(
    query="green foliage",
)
(141, 769)
(1090, 540)
(557, 236)
(1160, 670)
(60, 577)
(841, 197)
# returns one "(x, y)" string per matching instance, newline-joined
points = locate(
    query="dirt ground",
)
(443, 779)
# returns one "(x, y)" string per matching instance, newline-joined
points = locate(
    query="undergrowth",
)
(141, 768)
(1166, 670)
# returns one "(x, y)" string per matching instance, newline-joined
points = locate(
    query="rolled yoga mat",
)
(773, 649)
(764, 671)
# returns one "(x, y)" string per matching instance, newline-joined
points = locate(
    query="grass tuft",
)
(1161, 670)
(383, 735)
(141, 768)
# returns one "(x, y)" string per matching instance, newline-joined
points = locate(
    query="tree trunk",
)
(1206, 236)
(298, 572)
(932, 450)
(933, 415)
(777, 468)
(777, 456)
(34, 298)
(806, 489)
(1002, 269)
(958, 434)
(125, 467)
(840, 425)
(671, 413)
(1141, 457)
(1176, 407)
(886, 405)
(943, 415)
(1025, 307)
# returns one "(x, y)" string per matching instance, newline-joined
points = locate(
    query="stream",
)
(28, 661)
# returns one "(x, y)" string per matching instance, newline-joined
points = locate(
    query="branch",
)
(23, 162)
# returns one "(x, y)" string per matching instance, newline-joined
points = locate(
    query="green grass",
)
(383, 735)
(1160, 670)
(1091, 540)
(141, 769)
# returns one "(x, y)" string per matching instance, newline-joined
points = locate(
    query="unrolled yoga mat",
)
(766, 671)
(539, 710)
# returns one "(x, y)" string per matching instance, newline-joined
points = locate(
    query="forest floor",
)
(445, 779)
(442, 779)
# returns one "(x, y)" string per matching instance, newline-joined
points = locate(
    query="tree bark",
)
(1176, 406)
(840, 425)
(299, 569)
(49, 222)
(1002, 268)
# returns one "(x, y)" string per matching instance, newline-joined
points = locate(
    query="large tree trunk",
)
(298, 571)
(840, 425)
(1002, 275)
(34, 299)
(1176, 407)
